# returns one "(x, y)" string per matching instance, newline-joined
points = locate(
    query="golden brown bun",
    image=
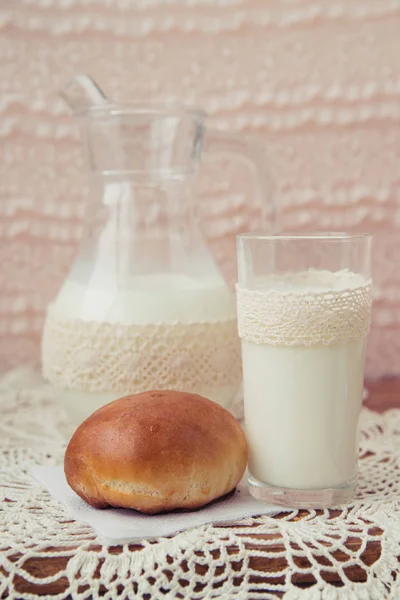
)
(156, 451)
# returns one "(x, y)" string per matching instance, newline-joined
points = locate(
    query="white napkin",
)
(120, 526)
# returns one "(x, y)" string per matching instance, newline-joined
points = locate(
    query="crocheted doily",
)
(237, 561)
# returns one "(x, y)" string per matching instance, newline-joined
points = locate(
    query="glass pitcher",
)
(144, 305)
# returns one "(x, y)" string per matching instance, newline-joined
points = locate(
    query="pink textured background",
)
(318, 81)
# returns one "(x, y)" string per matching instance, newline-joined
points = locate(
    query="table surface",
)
(383, 394)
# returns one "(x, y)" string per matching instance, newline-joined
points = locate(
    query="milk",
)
(158, 298)
(148, 299)
(301, 410)
(302, 403)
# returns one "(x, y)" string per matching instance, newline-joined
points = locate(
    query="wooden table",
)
(383, 394)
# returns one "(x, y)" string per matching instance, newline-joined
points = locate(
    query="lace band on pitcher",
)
(304, 318)
(94, 357)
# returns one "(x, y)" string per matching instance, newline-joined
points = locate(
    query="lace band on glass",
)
(304, 318)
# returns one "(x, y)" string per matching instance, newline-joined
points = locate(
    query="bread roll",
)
(156, 451)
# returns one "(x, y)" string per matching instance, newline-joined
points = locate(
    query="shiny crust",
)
(156, 451)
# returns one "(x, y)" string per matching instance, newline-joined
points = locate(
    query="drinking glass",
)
(304, 308)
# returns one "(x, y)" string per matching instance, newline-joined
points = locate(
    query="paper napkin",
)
(120, 526)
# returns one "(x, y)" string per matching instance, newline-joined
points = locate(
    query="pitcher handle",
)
(252, 152)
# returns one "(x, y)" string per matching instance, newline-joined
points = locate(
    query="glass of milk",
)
(304, 309)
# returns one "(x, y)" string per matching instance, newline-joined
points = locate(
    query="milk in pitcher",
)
(202, 314)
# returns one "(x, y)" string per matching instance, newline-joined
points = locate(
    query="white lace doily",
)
(256, 558)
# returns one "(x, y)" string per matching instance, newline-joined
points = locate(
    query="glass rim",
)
(334, 236)
(154, 109)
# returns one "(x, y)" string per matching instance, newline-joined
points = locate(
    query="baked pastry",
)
(156, 451)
